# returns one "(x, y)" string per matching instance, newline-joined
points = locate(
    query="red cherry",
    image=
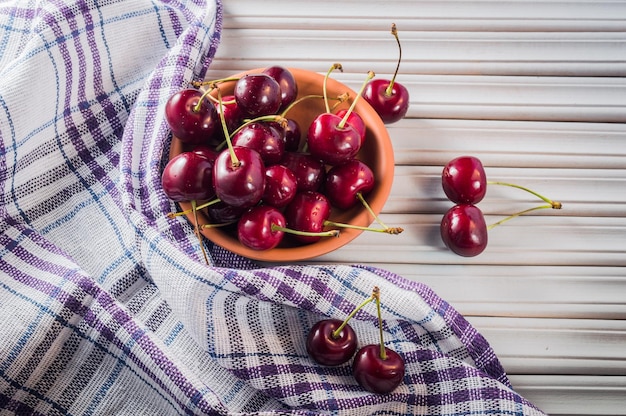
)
(331, 140)
(286, 81)
(326, 348)
(255, 228)
(310, 171)
(389, 98)
(464, 231)
(191, 118)
(345, 181)
(356, 121)
(308, 211)
(281, 186)
(233, 116)
(239, 184)
(260, 137)
(258, 95)
(464, 180)
(376, 374)
(188, 176)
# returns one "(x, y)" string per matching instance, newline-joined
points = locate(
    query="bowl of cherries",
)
(278, 164)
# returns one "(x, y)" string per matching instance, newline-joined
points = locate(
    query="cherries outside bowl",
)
(376, 152)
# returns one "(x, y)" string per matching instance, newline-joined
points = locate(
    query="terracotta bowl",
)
(377, 152)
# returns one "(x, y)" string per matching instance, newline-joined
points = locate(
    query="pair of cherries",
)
(463, 228)
(332, 342)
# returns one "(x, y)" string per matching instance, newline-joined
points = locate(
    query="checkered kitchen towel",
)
(107, 306)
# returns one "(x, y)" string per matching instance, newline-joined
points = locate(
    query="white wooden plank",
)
(574, 394)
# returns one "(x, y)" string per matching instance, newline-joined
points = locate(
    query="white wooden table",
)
(536, 90)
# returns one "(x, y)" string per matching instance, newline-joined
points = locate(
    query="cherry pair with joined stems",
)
(332, 342)
(463, 227)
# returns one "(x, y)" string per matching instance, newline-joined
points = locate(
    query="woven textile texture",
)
(107, 305)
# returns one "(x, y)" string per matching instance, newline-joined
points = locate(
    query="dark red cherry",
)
(233, 117)
(221, 213)
(281, 186)
(258, 95)
(310, 171)
(308, 211)
(331, 141)
(189, 121)
(464, 180)
(286, 81)
(188, 176)
(240, 184)
(390, 107)
(356, 121)
(375, 374)
(345, 181)
(464, 231)
(262, 138)
(290, 132)
(255, 227)
(206, 151)
(327, 349)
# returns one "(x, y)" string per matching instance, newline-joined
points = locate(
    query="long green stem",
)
(388, 230)
(394, 32)
(518, 214)
(330, 233)
(197, 231)
(233, 157)
(332, 68)
(344, 120)
(383, 351)
(553, 204)
(369, 209)
(336, 332)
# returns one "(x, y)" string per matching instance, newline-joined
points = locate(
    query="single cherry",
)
(281, 186)
(330, 342)
(239, 176)
(307, 212)
(191, 117)
(286, 81)
(310, 171)
(257, 227)
(188, 176)
(464, 180)
(233, 116)
(346, 181)
(261, 137)
(258, 95)
(464, 231)
(389, 98)
(356, 121)
(376, 368)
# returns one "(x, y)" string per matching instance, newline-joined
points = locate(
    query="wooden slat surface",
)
(535, 89)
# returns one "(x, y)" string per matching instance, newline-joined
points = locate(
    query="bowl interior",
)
(376, 151)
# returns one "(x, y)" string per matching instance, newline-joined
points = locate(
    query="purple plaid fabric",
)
(107, 305)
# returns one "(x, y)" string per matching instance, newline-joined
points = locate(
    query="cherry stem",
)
(340, 99)
(207, 93)
(344, 120)
(394, 32)
(191, 210)
(277, 118)
(212, 82)
(388, 230)
(383, 351)
(197, 231)
(221, 224)
(553, 204)
(367, 206)
(332, 68)
(518, 214)
(233, 157)
(336, 332)
(330, 233)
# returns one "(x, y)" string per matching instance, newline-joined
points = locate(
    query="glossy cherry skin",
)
(345, 181)
(187, 124)
(390, 108)
(464, 180)
(464, 231)
(310, 171)
(261, 137)
(355, 121)
(308, 211)
(375, 374)
(206, 151)
(286, 81)
(330, 142)
(327, 350)
(254, 228)
(188, 176)
(291, 133)
(243, 185)
(281, 186)
(257, 95)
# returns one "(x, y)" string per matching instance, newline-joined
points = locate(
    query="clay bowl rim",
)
(383, 167)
